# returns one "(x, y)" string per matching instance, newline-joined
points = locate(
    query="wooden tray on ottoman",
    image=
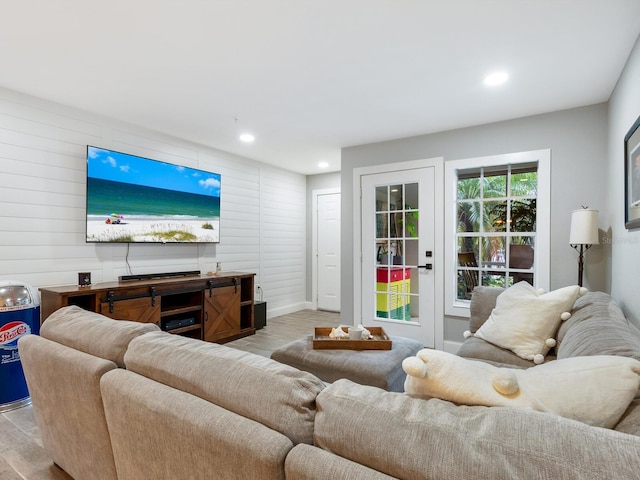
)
(322, 341)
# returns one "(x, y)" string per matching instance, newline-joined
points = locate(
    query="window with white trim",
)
(497, 222)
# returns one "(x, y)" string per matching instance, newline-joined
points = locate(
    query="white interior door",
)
(398, 241)
(328, 252)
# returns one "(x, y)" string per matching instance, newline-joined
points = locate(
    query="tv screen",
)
(133, 199)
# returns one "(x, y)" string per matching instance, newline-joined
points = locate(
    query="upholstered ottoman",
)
(378, 368)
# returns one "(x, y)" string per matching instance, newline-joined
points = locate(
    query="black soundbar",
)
(148, 276)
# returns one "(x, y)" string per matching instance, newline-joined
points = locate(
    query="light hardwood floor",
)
(21, 453)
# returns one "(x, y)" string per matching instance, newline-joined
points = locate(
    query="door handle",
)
(426, 266)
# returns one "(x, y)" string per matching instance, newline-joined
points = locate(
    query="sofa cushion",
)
(478, 349)
(482, 304)
(412, 438)
(93, 333)
(630, 421)
(595, 390)
(598, 327)
(525, 320)
(276, 395)
(162, 433)
(483, 301)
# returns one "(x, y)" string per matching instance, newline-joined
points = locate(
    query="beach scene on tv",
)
(134, 199)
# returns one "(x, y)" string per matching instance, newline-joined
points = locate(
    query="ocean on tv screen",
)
(133, 199)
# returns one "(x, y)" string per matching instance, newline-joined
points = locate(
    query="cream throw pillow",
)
(525, 320)
(595, 390)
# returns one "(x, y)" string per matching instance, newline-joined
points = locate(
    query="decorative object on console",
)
(632, 176)
(583, 234)
(525, 320)
(84, 279)
(595, 390)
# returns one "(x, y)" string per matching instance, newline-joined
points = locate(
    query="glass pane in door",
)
(396, 252)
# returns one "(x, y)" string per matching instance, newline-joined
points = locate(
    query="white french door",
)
(398, 238)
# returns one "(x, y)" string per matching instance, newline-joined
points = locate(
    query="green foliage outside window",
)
(492, 209)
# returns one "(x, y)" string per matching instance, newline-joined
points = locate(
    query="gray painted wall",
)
(578, 142)
(624, 272)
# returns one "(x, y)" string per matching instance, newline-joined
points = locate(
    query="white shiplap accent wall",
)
(283, 227)
(42, 205)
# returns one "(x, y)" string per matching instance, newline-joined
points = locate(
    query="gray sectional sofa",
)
(179, 408)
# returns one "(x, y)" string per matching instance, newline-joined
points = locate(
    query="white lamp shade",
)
(584, 227)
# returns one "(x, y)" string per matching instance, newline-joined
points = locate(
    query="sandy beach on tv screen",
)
(153, 230)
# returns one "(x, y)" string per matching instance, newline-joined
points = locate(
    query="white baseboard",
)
(451, 347)
(296, 307)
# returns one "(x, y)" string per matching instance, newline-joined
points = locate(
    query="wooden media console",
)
(211, 308)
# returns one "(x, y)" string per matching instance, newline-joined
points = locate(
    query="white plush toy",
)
(595, 390)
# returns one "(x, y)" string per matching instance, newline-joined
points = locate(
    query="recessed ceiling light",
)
(247, 138)
(496, 78)
(323, 164)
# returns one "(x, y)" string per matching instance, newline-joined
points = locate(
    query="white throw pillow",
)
(525, 320)
(595, 390)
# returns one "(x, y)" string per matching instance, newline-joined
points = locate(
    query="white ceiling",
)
(310, 77)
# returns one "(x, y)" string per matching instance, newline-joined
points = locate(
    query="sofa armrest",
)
(64, 385)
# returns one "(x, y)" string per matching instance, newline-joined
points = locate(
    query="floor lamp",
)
(583, 234)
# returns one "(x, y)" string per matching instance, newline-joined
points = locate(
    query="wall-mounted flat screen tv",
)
(133, 199)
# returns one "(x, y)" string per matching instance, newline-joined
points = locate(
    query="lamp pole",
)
(581, 248)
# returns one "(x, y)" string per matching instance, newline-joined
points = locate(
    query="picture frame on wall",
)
(632, 176)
